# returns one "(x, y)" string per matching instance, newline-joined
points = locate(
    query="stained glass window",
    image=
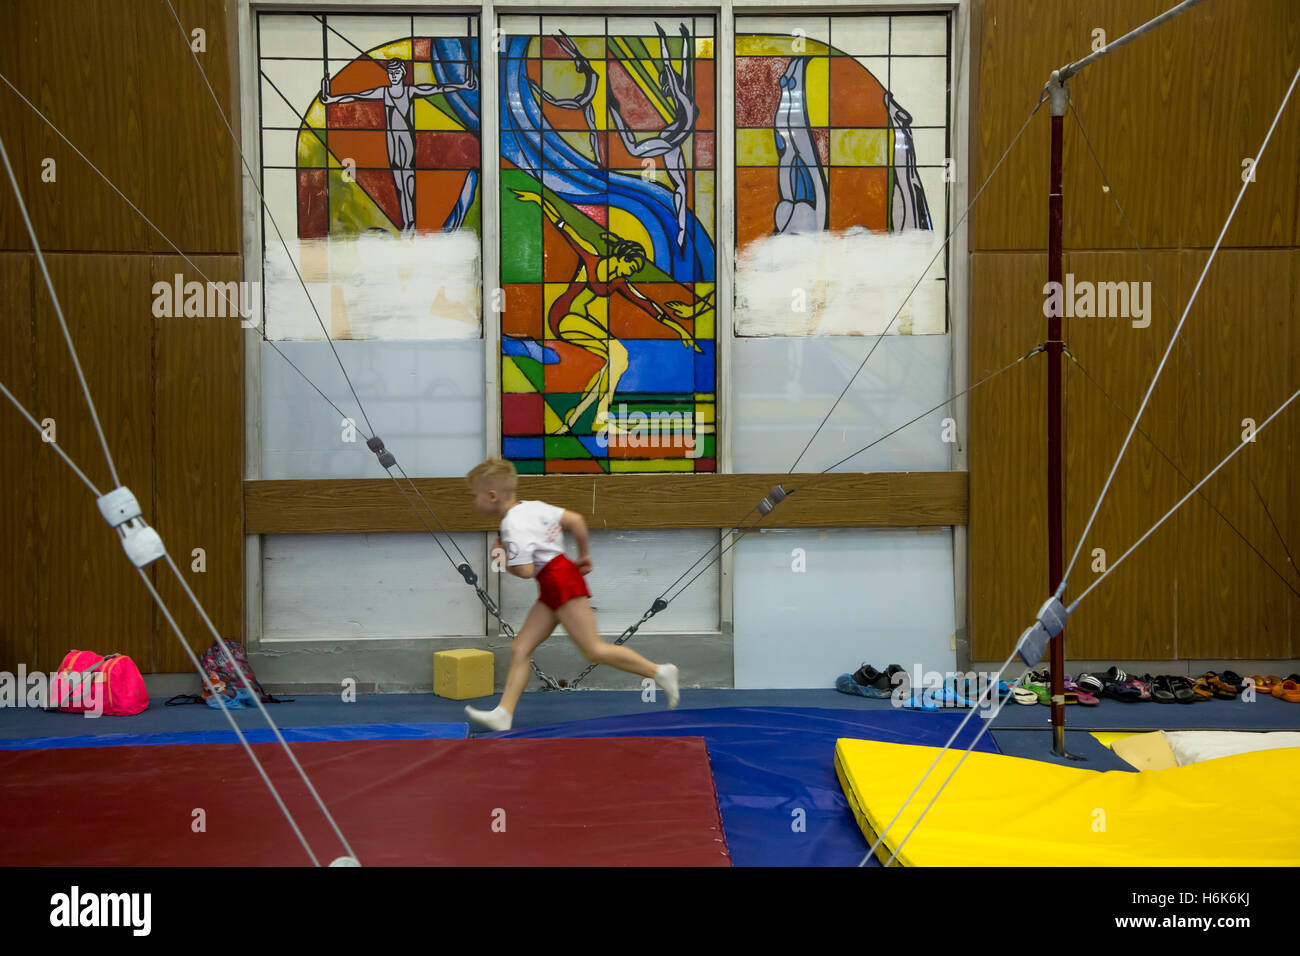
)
(608, 359)
(841, 146)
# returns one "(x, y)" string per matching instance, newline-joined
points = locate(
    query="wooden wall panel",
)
(1128, 615)
(198, 501)
(195, 169)
(1008, 481)
(1171, 116)
(902, 499)
(80, 63)
(90, 594)
(23, 447)
(1230, 604)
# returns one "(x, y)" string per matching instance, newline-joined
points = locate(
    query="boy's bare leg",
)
(537, 628)
(580, 621)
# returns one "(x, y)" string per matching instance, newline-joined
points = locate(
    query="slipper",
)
(1080, 696)
(1288, 690)
(1119, 686)
(931, 699)
(1091, 683)
(1037, 683)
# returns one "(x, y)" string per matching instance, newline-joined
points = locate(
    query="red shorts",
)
(560, 581)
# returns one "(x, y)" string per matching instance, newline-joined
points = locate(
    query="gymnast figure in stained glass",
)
(580, 315)
(583, 101)
(399, 125)
(679, 93)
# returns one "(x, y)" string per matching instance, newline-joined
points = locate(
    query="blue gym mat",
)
(771, 762)
(255, 735)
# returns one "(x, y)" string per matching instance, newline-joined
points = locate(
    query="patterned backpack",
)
(230, 690)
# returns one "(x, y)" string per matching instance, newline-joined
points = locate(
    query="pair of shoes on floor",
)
(866, 681)
(1171, 688)
(1115, 684)
(1287, 690)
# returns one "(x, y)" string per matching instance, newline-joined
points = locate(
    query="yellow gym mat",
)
(1009, 811)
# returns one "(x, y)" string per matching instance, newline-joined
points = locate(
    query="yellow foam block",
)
(462, 673)
(1146, 751)
(1107, 738)
(1009, 811)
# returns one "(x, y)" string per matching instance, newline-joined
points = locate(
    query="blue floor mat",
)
(771, 762)
(254, 735)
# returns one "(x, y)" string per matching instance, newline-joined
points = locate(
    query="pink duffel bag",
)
(112, 683)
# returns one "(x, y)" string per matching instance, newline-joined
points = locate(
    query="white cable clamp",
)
(1050, 622)
(141, 543)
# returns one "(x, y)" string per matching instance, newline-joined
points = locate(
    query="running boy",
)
(532, 539)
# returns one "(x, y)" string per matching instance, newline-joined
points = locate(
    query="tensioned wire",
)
(1061, 589)
(1181, 474)
(49, 284)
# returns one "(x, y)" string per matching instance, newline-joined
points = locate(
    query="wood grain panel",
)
(193, 163)
(23, 446)
(1128, 616)
(198, 496)
(80, 64)
(1008, 480)
(1229, 603)
(1243, 58)
(90, 596)
(634, 501)
(1171, 116)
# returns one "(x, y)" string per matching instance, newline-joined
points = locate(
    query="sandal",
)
(1182, 688)
(1221, 687)
(1091, 684)
(1203, 689)
(1161, 692)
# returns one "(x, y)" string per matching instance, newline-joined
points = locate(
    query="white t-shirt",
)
(532, 534)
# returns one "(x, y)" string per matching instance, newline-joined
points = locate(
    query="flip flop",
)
(1080, 696)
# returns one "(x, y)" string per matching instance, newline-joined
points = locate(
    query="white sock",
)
(666, 677)
(497, 719)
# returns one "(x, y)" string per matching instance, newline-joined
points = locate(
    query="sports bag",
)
(111, 685)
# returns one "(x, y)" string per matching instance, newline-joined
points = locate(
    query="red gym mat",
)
(498, 802)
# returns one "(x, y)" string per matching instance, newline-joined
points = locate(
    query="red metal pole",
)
(1055, 438)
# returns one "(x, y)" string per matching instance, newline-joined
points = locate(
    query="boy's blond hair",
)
(495, 473)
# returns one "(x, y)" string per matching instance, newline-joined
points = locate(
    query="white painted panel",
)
(850, 283)
(368, 586)
(632, 568)
(348, 34)
(880, 596)
(920, 84)
(425, 399)
(370, 286)
(782, 388)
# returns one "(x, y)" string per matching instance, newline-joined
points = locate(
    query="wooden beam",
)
(374, 505)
